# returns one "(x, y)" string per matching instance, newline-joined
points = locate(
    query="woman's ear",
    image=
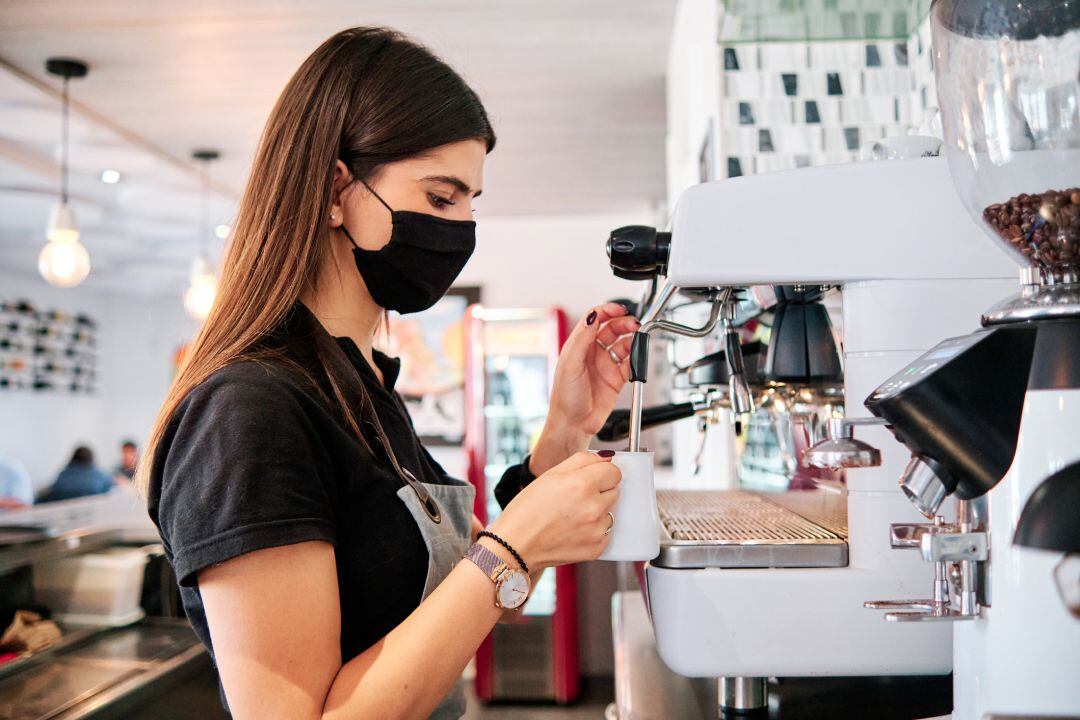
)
(342, 180)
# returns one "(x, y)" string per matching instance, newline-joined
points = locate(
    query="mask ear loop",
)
(349, 235)
(377, 197)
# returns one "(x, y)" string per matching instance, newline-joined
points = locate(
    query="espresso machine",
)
(992, 418)
(750, 585)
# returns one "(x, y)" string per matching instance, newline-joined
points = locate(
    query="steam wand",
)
(639, 348)
(742, 402)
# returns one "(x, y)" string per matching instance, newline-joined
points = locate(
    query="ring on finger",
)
(612, 525)
(614, 356)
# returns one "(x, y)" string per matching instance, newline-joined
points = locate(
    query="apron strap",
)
(426, 501)
(341, 363)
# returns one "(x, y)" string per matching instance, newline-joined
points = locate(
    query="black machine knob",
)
(638, 252)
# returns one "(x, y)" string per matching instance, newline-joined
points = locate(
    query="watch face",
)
(513, 589)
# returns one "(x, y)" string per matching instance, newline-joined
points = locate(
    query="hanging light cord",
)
(64, 148)
(204, 227)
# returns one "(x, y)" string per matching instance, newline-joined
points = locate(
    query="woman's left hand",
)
(593, 367)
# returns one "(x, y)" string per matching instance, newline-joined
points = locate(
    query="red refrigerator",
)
(509, 366)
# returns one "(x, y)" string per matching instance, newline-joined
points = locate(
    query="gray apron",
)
(444, 515)
(447, 542)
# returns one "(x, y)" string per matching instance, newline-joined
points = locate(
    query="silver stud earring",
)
(332, 218)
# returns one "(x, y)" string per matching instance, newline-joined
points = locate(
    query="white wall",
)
(136, 340)
(693, 94)
(527, 261)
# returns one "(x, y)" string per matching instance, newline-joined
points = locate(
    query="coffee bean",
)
(1043, 227)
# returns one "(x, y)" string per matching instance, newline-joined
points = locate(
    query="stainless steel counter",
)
(73, 542)
(100, 673)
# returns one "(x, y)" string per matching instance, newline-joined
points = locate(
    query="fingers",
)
(606, 312)
(587, 330)
(621, 347)
(607, 476)
(613, 329)
(609, 498)
(582, 459)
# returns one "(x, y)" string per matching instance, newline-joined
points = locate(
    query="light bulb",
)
(62, 226)
(64, 263)
(200, 294)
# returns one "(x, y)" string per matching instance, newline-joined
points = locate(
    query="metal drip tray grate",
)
(736, 529)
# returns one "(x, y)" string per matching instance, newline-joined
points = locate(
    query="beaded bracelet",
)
(496, 538)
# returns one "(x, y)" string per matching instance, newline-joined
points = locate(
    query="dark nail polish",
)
(591, 318)
(606, 453)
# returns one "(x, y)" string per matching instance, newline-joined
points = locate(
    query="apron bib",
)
(443, 513)
(447, 541)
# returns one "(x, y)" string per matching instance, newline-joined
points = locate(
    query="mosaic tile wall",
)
(787, 105)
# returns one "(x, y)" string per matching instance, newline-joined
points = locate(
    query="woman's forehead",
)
(461, 161)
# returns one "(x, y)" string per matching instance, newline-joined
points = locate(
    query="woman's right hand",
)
(562, 516)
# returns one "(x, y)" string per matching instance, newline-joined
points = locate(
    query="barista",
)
(318, 546)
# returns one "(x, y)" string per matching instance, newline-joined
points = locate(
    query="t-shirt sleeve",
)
(515, 479)
(244, 470)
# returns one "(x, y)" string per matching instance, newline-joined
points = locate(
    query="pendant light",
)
(63, 261)
(202, 290)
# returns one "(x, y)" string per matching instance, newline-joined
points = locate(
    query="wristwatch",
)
(511, 585)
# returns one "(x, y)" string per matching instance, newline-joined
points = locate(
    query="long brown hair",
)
(367, 96)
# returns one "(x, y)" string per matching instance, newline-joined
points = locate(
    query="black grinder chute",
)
(958, 408)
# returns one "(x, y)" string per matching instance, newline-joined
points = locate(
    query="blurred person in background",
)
(129, 457)
(80, 478)
(16, 490)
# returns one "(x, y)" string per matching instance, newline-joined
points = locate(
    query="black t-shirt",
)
(255, 457)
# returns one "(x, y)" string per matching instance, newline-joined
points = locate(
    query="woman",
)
(317, 544)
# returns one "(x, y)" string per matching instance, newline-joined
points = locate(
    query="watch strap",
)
(486, 560)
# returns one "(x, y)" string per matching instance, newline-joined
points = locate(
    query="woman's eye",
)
(438, 201)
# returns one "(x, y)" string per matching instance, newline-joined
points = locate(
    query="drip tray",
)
(738, 529)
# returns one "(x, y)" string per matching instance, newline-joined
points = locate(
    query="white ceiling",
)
(575, 90)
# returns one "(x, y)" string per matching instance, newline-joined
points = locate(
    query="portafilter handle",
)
(841, 427)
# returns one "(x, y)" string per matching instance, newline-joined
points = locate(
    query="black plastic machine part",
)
(958, 406)
(638, 252)
(708, 371)
(712, 369)
(1050, 520)
(617, 426)
(639, 357)
(802, 349)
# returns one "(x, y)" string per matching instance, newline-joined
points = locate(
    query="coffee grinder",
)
(995, 415)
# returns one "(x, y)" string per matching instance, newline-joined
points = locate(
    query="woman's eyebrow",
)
(455, 181)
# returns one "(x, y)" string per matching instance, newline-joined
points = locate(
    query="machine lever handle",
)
(639, 357)
(617, 426)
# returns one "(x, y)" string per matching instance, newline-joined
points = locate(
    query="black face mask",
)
(423, 258)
